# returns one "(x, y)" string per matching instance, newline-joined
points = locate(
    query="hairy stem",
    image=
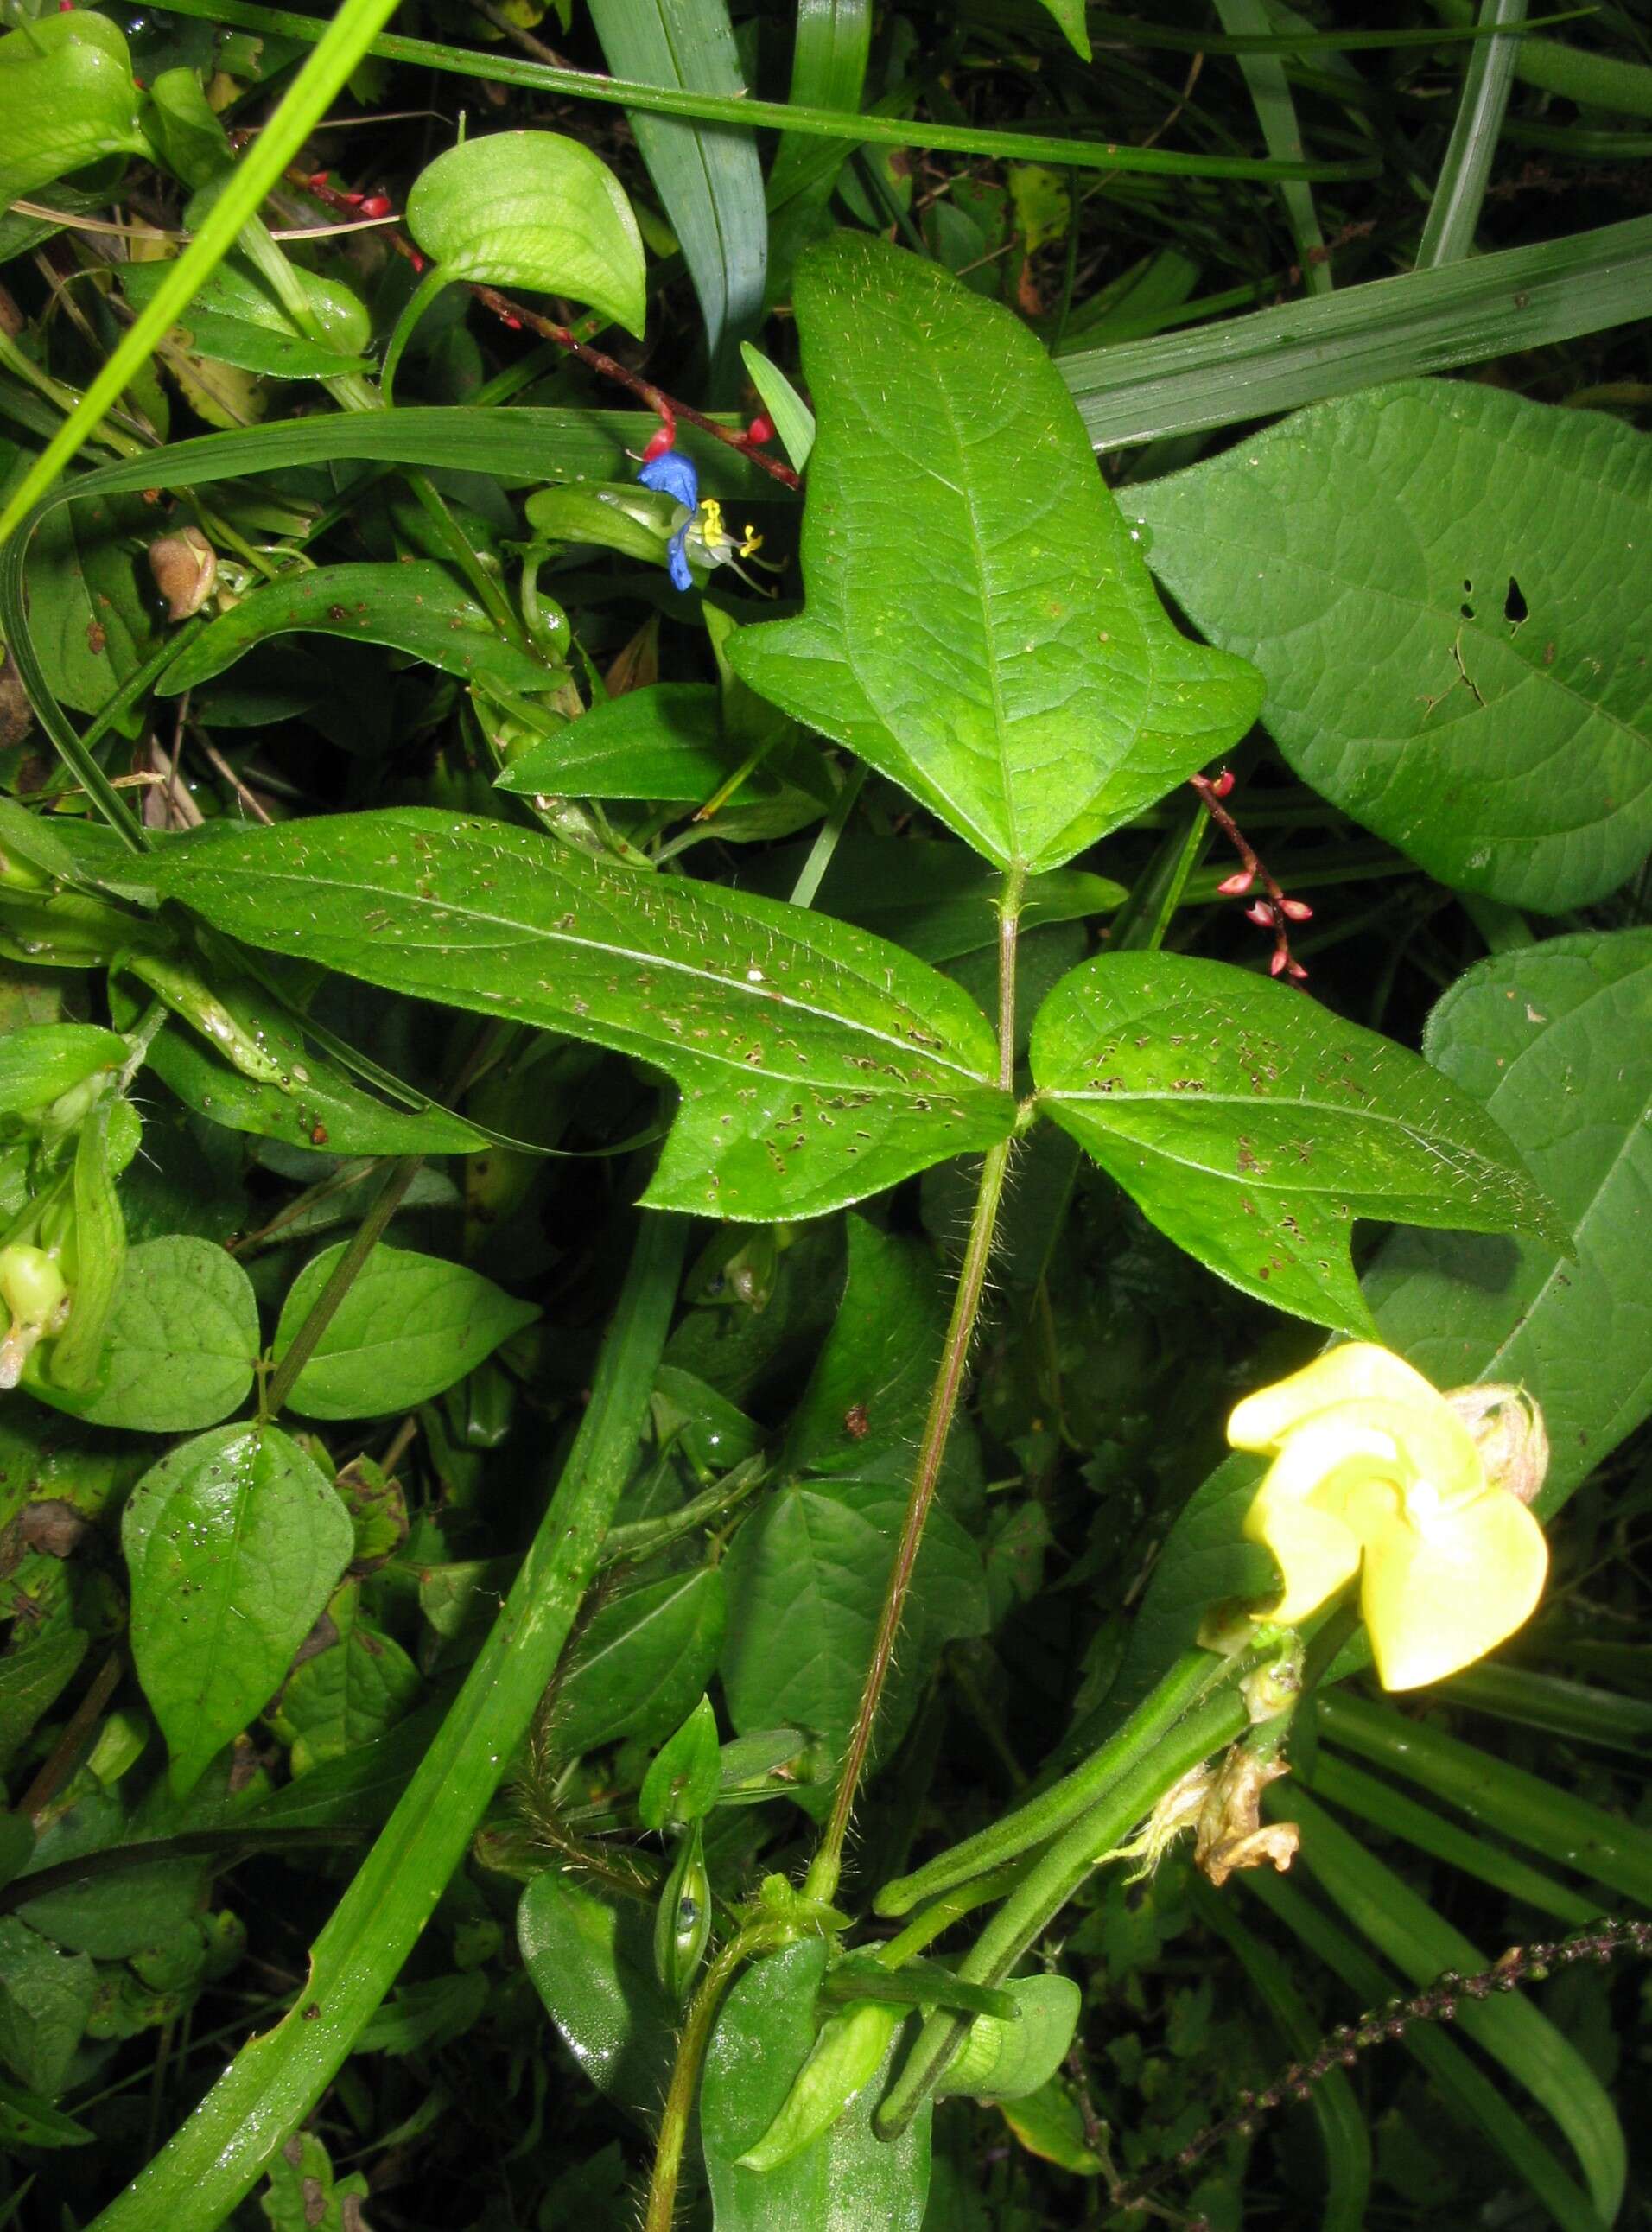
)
(685, 2070)
(827, 1863)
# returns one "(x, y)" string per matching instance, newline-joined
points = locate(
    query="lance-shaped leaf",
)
(1442, 646)
(818, 1064)
(979, 624)
(1254, 1126)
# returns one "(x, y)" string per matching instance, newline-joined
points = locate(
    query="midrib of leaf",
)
(529, 934)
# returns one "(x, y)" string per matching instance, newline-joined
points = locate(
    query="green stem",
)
(1460, 190)
(1056, 1808)
(361, 1244)
(1050, 1882)
(276, 2079)
(685, 2070)
(827, 1863)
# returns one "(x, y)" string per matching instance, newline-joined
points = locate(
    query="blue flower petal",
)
(678, 557)
(675, 474)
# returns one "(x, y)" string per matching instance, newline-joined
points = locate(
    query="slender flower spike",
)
(1376, 1473)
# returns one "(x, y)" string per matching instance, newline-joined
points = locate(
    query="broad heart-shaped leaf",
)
(979, 624)
(182, 1340)
(1443, 649)
(847, 2180)
(409, 1327)
(1253, 1126)
(416, 606)
(67, 97)
(532, 209)
(1555, 1042)
(818, 1064)
(233, 1542)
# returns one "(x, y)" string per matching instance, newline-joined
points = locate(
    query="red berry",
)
(355, 200)
(317, 182)
(376, 205)
(1223, 784)
(761, 429)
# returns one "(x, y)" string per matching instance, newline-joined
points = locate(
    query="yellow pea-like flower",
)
(1376, 1473)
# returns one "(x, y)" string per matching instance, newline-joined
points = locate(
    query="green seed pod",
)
(683, 1923)
(36, 1298)
(847, 2056)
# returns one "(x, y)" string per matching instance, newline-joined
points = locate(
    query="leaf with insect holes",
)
(1253, 1126)
(1437, 580)
(817, 1064)
(979, 624)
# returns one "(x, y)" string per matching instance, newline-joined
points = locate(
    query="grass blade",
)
(1460, 190)
(1465, 2090)
(1276, 114)
(1422, 322)
(709, 179)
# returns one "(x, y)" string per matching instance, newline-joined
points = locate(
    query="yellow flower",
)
(1376, 1473)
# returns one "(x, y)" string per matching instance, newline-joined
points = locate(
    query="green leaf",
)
(1253, 1126)
(709, 179)
(304, 2196)
(45, 1997)
(844, 2180)
(66, 98)
(592, 1965)
(427, 2013)
(41, 1060)
(414, 607)
(818, 1065)
(233, 1542)
(34, 1673)
(93, 1260)
(235, 320)
(663, 742)
(793, 421)
(532, 209)
(1440, 646)
(978, 626)
(1069, 14)
(871, 1384)
(29, 2121)
(88, 617)
(410, 1326)
(685, 1775)
(347, 1696)
(1555, 1041)
(1002, 2060)
(641, 1661)
(181, 1341)
(805, 1580)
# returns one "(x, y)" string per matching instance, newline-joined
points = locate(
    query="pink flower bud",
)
(1299, 910)
(317, 182)
(659, 443)
(1262, 914)
(761, 429)
(1279, 964)
(1296, 969)
(376, 205)
(515, 324)
(417, 260)
(1222, 787)
(1237, 884)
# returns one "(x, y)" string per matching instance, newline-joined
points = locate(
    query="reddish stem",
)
(1276, 910)
(515, 316)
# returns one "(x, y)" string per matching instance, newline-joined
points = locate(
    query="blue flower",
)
(674, 475)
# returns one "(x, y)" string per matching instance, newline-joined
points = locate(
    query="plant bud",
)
(1509, 1433)
(185, 570)
(36, 1296)
(682, 1922)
